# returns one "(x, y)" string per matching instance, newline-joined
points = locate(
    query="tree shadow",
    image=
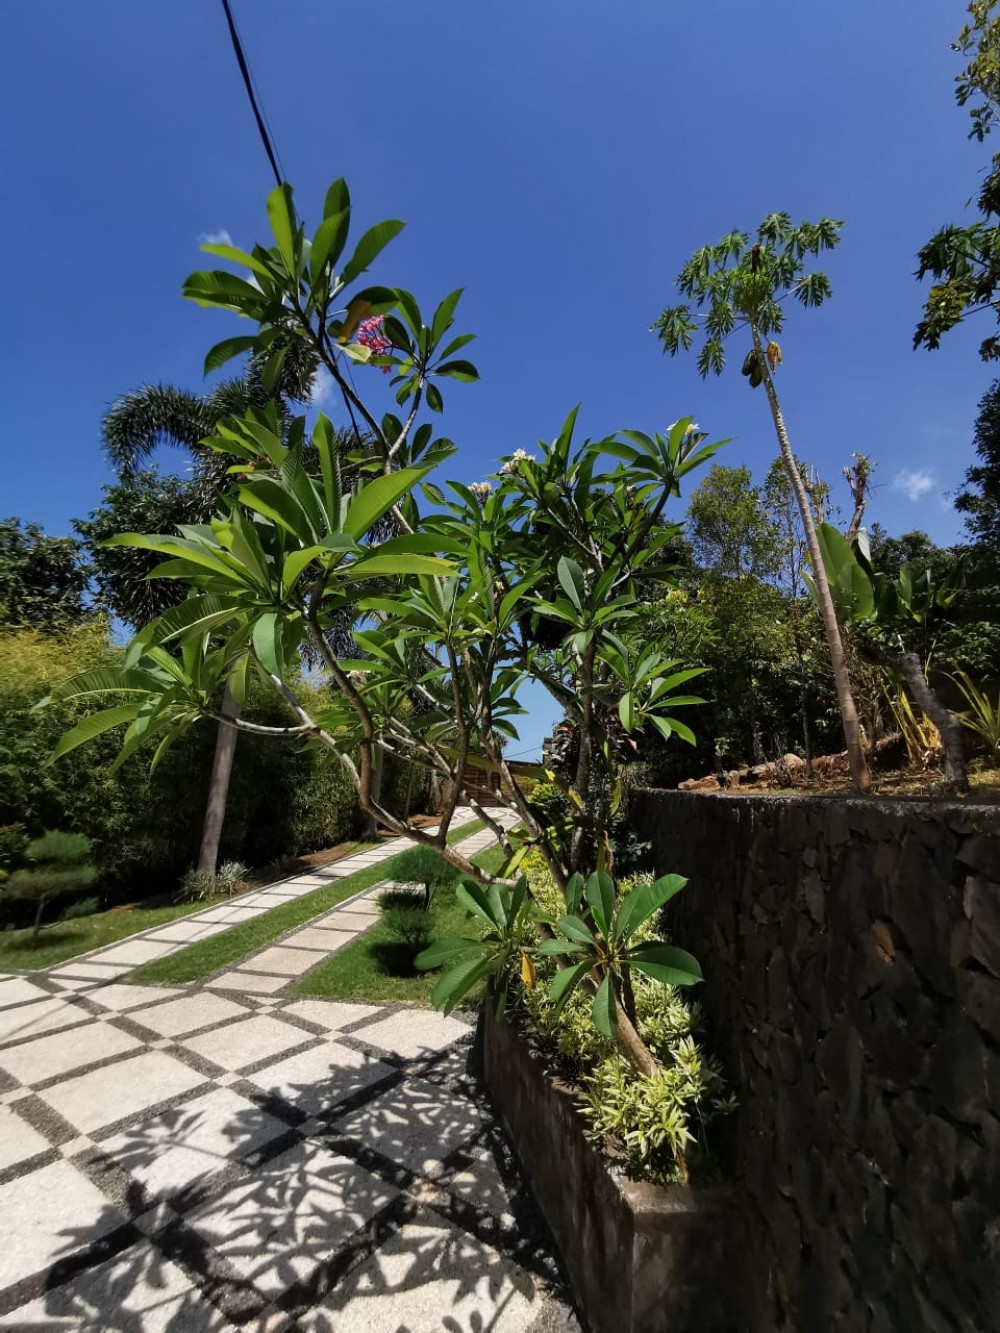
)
(375, 1192)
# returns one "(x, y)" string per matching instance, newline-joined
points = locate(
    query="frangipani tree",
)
(531, 576)
(743, 284)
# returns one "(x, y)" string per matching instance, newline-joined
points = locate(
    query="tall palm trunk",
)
(218, 788)
(848, 710)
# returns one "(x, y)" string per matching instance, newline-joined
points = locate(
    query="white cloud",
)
(913, 483)
(221, 237)
(322, 388)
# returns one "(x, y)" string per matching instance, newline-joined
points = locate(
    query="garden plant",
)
(459, 595)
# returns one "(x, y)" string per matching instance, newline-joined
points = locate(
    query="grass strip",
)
(67, 939)
(364, 969)
(230, 946)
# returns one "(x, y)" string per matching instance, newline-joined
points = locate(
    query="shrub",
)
(655, 1122)
(422, 865)
(145, 828)
(231, 876)
(59, 865)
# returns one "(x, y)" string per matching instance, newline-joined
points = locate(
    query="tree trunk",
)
(848, 711)
(370, 830)
(218, 788)
(956, 779)
(36, 930)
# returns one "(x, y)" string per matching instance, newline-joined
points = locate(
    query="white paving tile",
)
(63, 1052)
(187, 1014)
(123, 997)
(241, 1044)
(184, 932)
(314, 1080)
(89, 968)
(16, 990)
(277, 1226)
(331, 1014)
(134, 952)
(325, 941)
(46, 1215)
(284, 962)
(430, 1277)
(18, 1142)
(30, 1020)
(415, 1123)
(186, 1144)
(412, 1033)
(353, 921)
(93, 1100)
(251, 982)
(149, 1295)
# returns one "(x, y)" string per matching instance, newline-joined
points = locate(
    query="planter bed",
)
(641, 1258)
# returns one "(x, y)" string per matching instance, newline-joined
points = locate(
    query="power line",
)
(248, 82)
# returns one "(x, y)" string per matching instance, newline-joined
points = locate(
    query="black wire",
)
(245, 71)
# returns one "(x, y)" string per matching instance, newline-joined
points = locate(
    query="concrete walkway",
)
(116, 960)
(188, 1160)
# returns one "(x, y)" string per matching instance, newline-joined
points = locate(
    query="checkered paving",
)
(190, 1160)
(219, 1158)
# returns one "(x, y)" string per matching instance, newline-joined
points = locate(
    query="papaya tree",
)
(744, 284)
(468, 593)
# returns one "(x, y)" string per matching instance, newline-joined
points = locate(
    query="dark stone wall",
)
(851, 950)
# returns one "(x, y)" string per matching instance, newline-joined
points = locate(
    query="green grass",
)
(66, 939)
(230, 946)
(364, 970)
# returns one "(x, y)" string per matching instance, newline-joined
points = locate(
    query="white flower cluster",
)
(516, 459)
(481, 490)
(691, 430)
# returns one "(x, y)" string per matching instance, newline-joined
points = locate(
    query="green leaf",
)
(267, 642)
(433, 395)
(600, 894)
(640, 904)
(237, 256)
(565, 982)
(662, 962)
(570, 576)
(372, 243)
(443, 316)
(459, 980)
(574, 891)
(575, 929)
(224, 351)
(224, 290)
(464, 371)
(558, 947)
(94, 725)
(473, 898)
(281, 212)
(446, 951)
(338, 198)
(626, 710)
(603, 1011)
(377, 498)
(374, 566)
(328, 242)
(104, 680)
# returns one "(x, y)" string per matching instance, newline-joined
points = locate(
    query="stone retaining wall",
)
(851, 950)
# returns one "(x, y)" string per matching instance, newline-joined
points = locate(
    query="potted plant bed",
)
(640, 1257)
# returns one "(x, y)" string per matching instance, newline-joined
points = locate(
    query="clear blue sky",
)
(560, 160)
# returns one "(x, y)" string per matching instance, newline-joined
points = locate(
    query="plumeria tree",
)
(458, 594)
(743, 284)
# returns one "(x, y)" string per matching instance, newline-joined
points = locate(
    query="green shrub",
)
(653, 1123)
(59, 866)
(422, 865)
(84, 907)
(285, 797)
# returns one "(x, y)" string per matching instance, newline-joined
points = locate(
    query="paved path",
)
(195, 1160)
(339, 926)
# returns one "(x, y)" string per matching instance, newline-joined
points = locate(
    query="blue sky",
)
(559, 160)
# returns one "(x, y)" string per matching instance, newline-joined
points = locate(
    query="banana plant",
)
(911, 602)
